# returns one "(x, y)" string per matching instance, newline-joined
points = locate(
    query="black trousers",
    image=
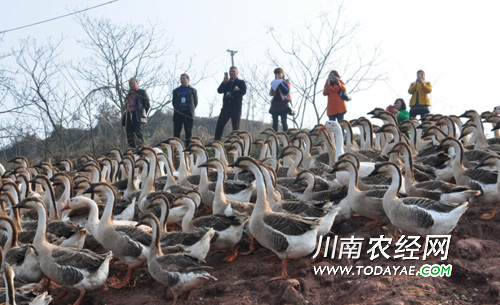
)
(422, 111)
(134, 131)
(183, 118)
(226, 113)
(283, 114)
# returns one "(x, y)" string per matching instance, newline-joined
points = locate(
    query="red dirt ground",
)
(474, 254)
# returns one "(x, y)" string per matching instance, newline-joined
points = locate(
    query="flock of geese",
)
(420, 177)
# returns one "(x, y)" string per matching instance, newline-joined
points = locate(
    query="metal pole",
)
(232, 52)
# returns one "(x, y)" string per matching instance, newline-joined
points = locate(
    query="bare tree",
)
(310, 55)
(41, 96)
(257, 99)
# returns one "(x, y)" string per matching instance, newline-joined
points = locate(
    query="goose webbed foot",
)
(284, 273)
(58, 297)
(230, 258)
(80, 297)
(491, 214)
(271, 258)
(176, 297)
(114, 283)
(252, 246)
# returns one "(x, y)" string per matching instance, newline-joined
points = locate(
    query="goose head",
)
(343, 165)
(350, 157)
(267, 131)
(290, 150)
(491, 160)
(385, 168)
(470, 114)
(375, 111)
(400, 148)
(183, 200)
(449, 142)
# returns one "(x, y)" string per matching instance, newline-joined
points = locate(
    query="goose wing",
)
(218, 222)
(72, 262)
(289, 224)
(16, 256)
(302, 207)
(179, 263)
(183, 238)
(441, 186)
(376, 193)
(416, 216)
(135, 234)
(482, 175)
(428, 204)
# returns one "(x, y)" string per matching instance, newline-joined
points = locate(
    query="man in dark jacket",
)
(233, 90)
(184, 100)
(135, 114)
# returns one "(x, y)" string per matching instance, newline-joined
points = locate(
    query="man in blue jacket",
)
(135, 114)
(233, 90)
(184, 100)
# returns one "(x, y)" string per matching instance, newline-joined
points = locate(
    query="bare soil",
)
(474, 254)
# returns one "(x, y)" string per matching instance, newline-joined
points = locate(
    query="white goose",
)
(69, 267)
(128, 243)
(13, 298)
(289, 236)
(435, 189)
(23, 259)
(179, 272)
(477, 178)
(229, 228)
(366, 203)
(418, 215)
(221, 203)
(197, 244)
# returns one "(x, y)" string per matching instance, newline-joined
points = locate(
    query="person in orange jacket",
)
(336, 107)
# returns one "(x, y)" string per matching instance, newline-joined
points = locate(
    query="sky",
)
(455, 42)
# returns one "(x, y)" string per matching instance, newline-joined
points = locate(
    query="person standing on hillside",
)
(280, 91)
(336, 107)
(184, 100)
(135, 113)
(419, 90)
(232, 89)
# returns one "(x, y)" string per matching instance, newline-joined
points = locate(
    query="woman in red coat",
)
(336, 107)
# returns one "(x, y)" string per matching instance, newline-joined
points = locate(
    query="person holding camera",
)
(184, 100)
(399, 110)
(135, 113)
(336, 107)
(280, 91)
(232, 89)
(420, 102)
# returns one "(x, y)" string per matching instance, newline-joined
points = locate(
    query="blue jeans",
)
(336, 117)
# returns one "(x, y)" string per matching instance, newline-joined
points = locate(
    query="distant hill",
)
(107, 134)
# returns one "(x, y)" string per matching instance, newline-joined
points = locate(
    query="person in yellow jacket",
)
(420, 102)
